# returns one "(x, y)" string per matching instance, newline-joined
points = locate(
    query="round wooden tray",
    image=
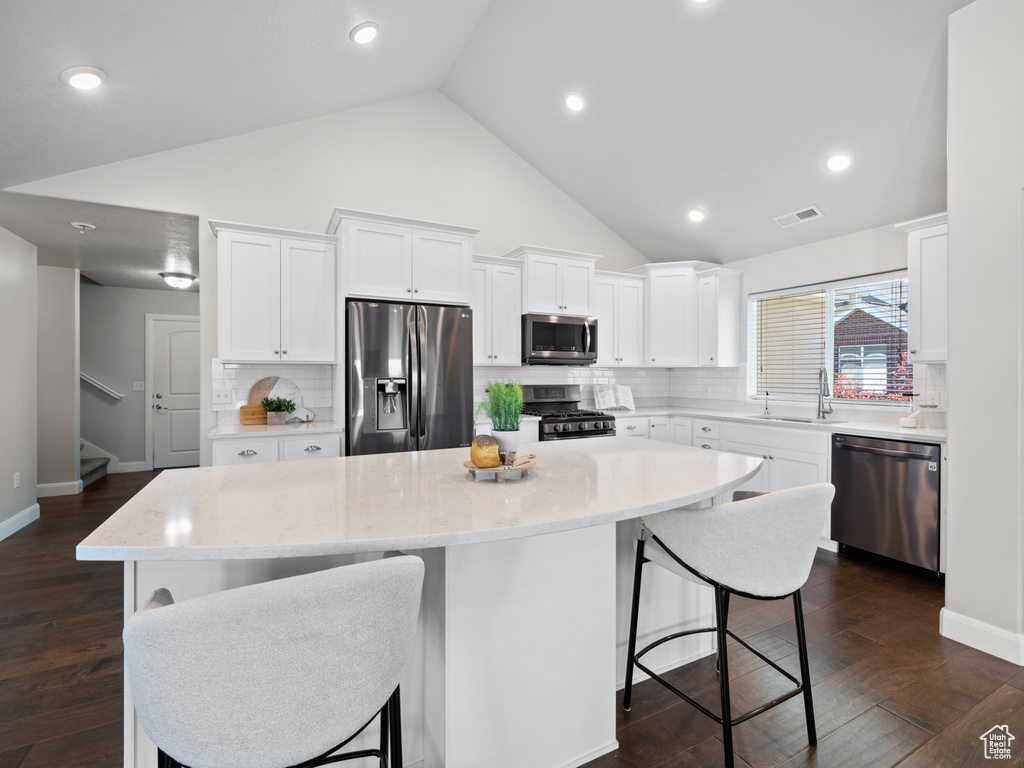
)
(499, 473)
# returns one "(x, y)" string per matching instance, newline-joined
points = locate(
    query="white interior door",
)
(174, 359)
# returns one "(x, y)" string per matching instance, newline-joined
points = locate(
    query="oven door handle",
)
(886, 452)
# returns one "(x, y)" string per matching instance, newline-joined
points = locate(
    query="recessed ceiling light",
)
(364, 33)
(83, 78)
(574, 101)
(83, 227)
(177, 279)
(695, 214)
(838, 162)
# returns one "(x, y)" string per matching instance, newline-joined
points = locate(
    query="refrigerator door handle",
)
(414, 389)
(421, 344)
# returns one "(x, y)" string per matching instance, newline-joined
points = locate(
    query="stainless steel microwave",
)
(559, 340)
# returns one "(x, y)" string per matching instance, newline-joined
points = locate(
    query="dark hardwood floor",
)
(61, 704)
(888, 688)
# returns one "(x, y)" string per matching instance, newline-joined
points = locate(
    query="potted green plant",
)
(277, 409)
(504, 407)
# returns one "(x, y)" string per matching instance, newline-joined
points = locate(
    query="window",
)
(857, 329)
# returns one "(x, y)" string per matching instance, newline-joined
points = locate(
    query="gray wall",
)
(114, 351)
(985, 542)
(18, 373)
(57, 368)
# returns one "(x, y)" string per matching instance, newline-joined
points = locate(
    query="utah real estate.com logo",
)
(997, 742)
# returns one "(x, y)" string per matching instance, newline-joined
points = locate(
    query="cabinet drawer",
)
(295, 448)
(710, 443)
(247, 452)
(703, 429)
(631, 427)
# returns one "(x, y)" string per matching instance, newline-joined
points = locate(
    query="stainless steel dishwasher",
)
(887, 499)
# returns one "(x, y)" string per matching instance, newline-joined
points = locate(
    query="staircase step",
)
(93, 469)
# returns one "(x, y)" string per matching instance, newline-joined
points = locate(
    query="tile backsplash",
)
(315, 382)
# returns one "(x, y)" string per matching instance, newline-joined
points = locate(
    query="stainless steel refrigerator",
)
(410, 377)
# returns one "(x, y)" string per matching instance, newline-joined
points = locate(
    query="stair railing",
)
(100, 386)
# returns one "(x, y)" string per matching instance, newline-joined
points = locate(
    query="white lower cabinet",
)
(707, 434)
(659, 429)
(632, 426)
(681, 430)
(268, 449)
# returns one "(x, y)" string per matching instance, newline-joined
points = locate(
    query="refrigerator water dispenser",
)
(391, 404)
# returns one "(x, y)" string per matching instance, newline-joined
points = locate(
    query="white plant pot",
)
(276, 417)
(508, 442)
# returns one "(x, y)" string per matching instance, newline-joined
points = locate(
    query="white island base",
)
(526, 598)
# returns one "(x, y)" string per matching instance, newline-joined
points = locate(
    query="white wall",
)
(113, 344)
(18, 381)
(420, 157)
(57, 368)
(985, 545)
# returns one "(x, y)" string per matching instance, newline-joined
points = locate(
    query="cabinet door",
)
(480, 288)
(792, 469)
(543, 291)
(762, 480)
(506, 315)
(235, 452)
(379, 260)
(322, 447)
(577, 287)
(441, 264)
(634, 426)
(604, 311)
(307, 301)
(659, 430)
(629, 323)
(927, 291)
(671, 328)
(681, 430)
(248, 297)
(707, 321)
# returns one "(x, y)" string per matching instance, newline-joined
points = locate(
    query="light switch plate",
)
(138, 386)
(222, 396)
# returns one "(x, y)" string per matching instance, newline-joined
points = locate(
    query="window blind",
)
(792, 333)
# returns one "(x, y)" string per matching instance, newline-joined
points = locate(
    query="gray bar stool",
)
(276, 675)
(760, 547)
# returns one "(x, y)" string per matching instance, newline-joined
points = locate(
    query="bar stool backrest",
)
(270, 675)
(761, 546)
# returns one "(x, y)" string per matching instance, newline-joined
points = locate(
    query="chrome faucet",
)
(823, 391)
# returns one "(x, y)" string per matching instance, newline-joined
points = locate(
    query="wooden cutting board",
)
(252, 414)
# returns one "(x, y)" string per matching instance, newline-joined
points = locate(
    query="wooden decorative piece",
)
(252, 414)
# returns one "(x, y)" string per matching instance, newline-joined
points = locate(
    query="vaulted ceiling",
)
(731, 106)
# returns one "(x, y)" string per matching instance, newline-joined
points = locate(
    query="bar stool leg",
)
(721, 615)
(395, 760)
(725, 623)
(385, 738)
(805, 670)
(627, 691)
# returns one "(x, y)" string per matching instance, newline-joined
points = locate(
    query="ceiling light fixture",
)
(695, 214)
(83, 227)
(838, 162)
(83, 78)
(574, 101)
(364, 33)
(177, 279)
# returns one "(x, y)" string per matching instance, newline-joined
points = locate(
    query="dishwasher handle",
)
(886, 452)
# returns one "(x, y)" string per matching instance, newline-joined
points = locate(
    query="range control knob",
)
(597, 425)
(558, 427)
(607, 425)
(583, 425)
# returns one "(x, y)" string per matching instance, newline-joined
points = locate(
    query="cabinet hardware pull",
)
(313, 448)
(913, 351)
(284, 351)
(771, 457)
(408, 290)
(764, 455)
(705, 429)
(631, 426)
(415, 290)
(712, 359)
(247, 452)
(652, 359)
(277, 351)
(706, 446)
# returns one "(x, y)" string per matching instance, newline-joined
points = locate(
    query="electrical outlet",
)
(222, 396)
(138, 386)
(17, 479)
(932, 398)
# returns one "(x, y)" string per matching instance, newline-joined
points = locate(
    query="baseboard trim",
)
(19, 521)
(132, 466)
(609, 747)
(828, 545)
(58, 489)
(985, 637)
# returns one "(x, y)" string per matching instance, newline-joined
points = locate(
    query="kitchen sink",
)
(799, 420)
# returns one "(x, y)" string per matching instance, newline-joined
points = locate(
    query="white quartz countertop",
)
(404, 501)
(277, 430)
(863, 428)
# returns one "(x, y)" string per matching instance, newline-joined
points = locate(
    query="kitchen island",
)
(519, 618)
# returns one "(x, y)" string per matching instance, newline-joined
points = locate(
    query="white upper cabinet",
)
(619, 303)
(718, 317)
(387, 257)
(927, 288)
(275, 295)
(497, 313)
(670, 314)
(557, 282)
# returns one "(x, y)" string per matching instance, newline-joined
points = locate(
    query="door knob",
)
(157, 395)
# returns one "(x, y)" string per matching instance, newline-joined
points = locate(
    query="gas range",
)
(561, 418)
